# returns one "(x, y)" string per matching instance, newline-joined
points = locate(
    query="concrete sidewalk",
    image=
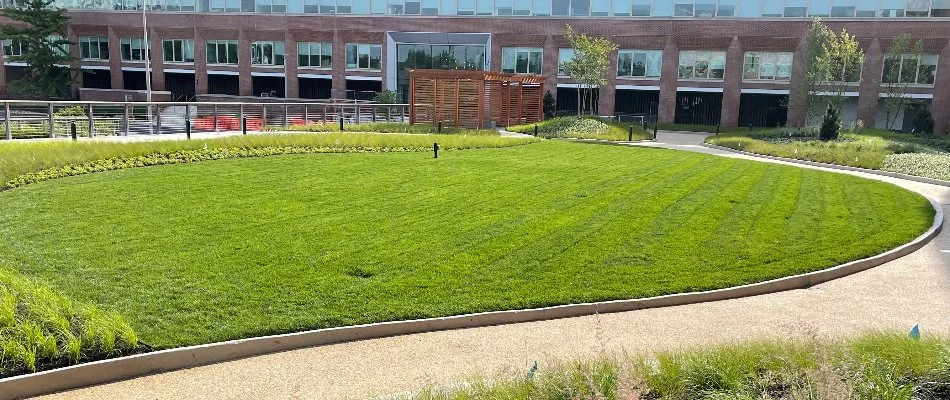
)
(895, 296)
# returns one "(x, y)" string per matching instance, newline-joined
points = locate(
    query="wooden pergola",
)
(474, 99)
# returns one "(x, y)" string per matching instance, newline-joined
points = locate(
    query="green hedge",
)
(386, 127)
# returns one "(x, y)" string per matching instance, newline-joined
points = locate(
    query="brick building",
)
(691, 61)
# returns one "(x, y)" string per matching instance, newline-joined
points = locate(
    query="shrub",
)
(936, 166)
(924, 121)
(550, 105)
(582, 128)
(386, 127)
(830, 125)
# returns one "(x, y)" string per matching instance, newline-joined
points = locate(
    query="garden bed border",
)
(111, 370)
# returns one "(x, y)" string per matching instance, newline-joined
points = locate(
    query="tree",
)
(550, 105)
(588, 67)
(45, 48)
(924, 120)
(831, 124)
(895, 88)
(386, 97)
(830, 64)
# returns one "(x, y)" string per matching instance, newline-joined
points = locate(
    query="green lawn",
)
(217, 250)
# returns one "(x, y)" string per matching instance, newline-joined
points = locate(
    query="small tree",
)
(924, 120)
(550, 105)
(830, 64)
(386, 97)
(45, 48)
(589, 65)
(831, 124)
(895, 88)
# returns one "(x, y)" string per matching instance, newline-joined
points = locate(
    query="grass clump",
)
(920, 155)
(876, 366)
(387, 127)
(235, 248)
(40, 328)
(24, 163)
(583, 128)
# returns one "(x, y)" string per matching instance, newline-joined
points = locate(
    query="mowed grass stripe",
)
(227, 249)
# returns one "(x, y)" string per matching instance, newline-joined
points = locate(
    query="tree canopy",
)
(39, 29)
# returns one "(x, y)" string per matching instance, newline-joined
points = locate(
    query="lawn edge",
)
(111, 370)
(914, 178)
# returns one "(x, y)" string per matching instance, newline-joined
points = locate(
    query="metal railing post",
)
(373, 111)
(158, 120)
(92, 125)
(286, 111)
(358, 114)
(306, 115)
(214, 113)
(241, 118)
(263, 117)
(188, 121)
(324, 114)
(127, 115)
(52, 122)
(8, 122)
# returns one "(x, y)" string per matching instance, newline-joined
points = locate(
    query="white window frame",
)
(134, 43)
(259, 56)
(693, 58)
(900, 69)
(779, 60)
(99, 41)
(325, 50)
(360, 50)
(623, 53)
(561, 72)
(223, 42)
(11, 45)
(511, 65)
(176, 57)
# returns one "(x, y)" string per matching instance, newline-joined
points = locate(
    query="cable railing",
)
(28, 119)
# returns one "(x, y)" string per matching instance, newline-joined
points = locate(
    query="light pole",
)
(148, 66)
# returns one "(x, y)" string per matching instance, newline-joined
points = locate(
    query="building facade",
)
(734, 62)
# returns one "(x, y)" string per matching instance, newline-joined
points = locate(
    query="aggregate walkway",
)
(895, 296)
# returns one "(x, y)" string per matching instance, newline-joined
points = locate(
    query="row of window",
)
(310, 54)
(619, 8)
(693, 65)
(711, 65)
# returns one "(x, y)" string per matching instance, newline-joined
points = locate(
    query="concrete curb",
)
(833, 166)
(111, 370)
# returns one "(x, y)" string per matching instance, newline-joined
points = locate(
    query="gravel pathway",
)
(895, 296)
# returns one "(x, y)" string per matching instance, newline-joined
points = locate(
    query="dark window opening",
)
(96, 79)
(698, 108)
(224, 84)
(763, 110)
(311, 88)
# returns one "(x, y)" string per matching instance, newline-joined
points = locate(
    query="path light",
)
(188, 128)
(535, 130)
(72, 129)
(341, 123)
(435, 150)
(629, 134)
(439, 129)
(244, 126)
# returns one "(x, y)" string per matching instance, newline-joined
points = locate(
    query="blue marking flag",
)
(533, 370)
(915, 332)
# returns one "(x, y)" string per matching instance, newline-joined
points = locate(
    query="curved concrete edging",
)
(833, 166)
(111, 370)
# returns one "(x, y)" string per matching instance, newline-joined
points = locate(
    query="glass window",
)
(641, 8)
(521, 60)
(917, 8)
(221, 52)
(563, 56)
(796, 8)
(683, 8)
(600, 8)
(892, 8)
(13, 47)
(132, 49)
(911, 69)
(727, 8)
(580, 8)
(662, 8)
(705, 8)
(94, 47)
(560, 7)
(540, 7)
(767, 66)
(702, 64)
(866, 8)
(363, 56)
(941, 8)
(314, 54)
(179, 50)
(639, 63)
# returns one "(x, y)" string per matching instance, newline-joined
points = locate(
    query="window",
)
(270, 6)
(313, 54)
(941, 8)
(702, 64)
(225, 5)
(13, 48)
(179, 50)
(767, 66)
(62, 48)
(132, 49)
(639, 63)
(521, 60)
(911, 68)
(846, 72)
(94, 47)
(267, 53)
(363, 56)
(563, 56)
(222, 52)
